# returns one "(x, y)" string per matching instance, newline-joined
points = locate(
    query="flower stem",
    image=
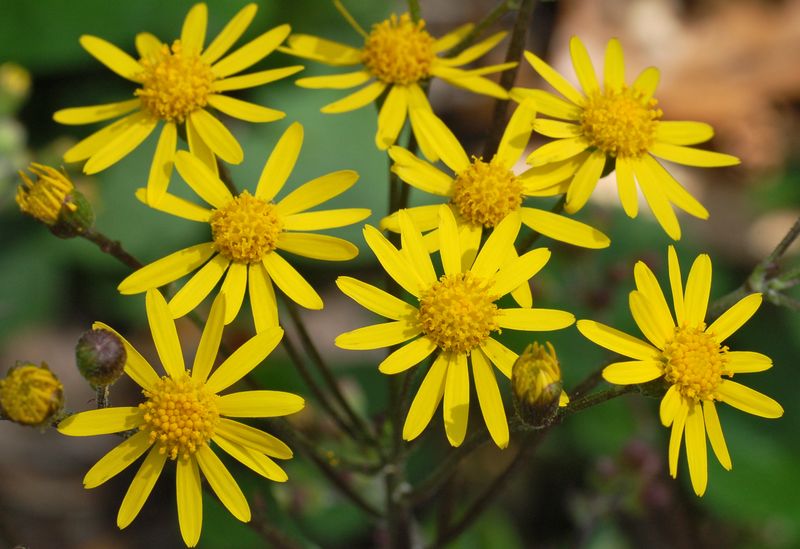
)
(225, 177)
(497, 12)
(112, 248)
(358, 425)
(507, 78)
(102, 396)
(414, 10)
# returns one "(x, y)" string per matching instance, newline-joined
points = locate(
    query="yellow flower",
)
(246, 233)
(399, 55)
(456, 315)
(46, 196)
(177, 84)
(30, 394)
(690, 357)
(182, 414)
(621, 124)
(536, 385)
(483, 193)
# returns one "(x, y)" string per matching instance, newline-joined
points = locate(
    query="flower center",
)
(458, 313)
(399, 51)
(619, 124)
(486, 192)
(174, 84)
(246, 228)
(180, 415)
(694, 362)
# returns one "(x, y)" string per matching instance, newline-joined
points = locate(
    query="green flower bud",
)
(31, 394)
(101, 357)
(536, 385)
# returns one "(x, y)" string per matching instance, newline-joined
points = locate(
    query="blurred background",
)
(599, 480)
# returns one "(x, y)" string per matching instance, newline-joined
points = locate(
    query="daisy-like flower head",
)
(399, 55)
(455, 316)
(31, 394)
(617, 123)
(177, 83)
(182, 414)
(690, 357)
(246, 233)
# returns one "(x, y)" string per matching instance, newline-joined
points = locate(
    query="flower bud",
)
(53, 200)
(30, 394)
(536, 385)
(101, 357)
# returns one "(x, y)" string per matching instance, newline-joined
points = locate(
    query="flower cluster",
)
(450, 264)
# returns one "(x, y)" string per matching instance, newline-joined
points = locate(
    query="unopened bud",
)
(52, 199)
(536, 385)
(31, 394)
(101, 357)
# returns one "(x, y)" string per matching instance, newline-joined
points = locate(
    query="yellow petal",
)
(657, 199)
(141, 486)
(326, 219)
(335, 81)
(547, 103)
(103, 421)
(280, 163)
(500, 355)
(407, 356)
(244, 110)
(325, 51)
(469, 81)
(632, 372)
(253, 438)
(646, 83)
(165, 336)
(232, 31)
(556, 151)
(393, 262)
(519, 270)
(491, 403)
(208, 347)
(233, 288)
(95, 113)
(673, 190)
(256, 461)
(218, 138)
(317, 191)
(583, 66)
(735, 317)
(553, 78)
(189, 495)
(259, 404)
(426, 218)
(517, 134)
(147, 44)
(647, 284)
(419, 173)
(452, 38)
(140, 126)
(291, 282)
(447, 146)
(427, 398)
(112, 57)
(696, 453)
(585, 181)
(136, 366)
(670, 405)
(473, 52)
(557, 129)
(616, 341)
(676, 435)
(746, 362)
(698, 287)
(161, 168)
(692, 157)
(496, 246)
(317, 246)
(254, 79)
(86, 147)
(450, 247)
(374, 299)
(626, 187)
(412, 243)
(417, 103)
(534, 320)
(748, 400)
(683, 133)
(200, 148)
(676, 285)
(655, 327)
(715, 436)
(356, 100)
(262, 298)
(193, 33)
(198, 287)
(564, 229)
(251, 53)
(222, 483)
(376, 336)
(392, 117)
(614, 67)
(456, 399)
(117, 459)
(167, 269)
(553, 178)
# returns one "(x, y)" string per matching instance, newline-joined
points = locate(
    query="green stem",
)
(225, 177)
(357, 423)
(507, 78)
(499, 10)
(102, 396)
(112, 248)
(597, 398)
(414, 10)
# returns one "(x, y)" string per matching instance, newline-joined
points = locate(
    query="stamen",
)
(399, 51)
(246, 229)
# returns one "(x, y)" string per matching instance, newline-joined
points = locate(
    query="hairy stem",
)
(112, 248)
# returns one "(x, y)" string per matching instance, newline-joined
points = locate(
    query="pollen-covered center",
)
(619, 122)
(180, 415)
(174, 84)
(399, 51)
(246, 228)
(458, 312)
(485, 193)
(694, 362)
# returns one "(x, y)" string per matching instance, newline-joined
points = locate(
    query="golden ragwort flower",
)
(399, 55)
(177, 84)
(690, 357)
(456, 316)
(246, 233)
(617, 123)
(30, 394)
(182, 414)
